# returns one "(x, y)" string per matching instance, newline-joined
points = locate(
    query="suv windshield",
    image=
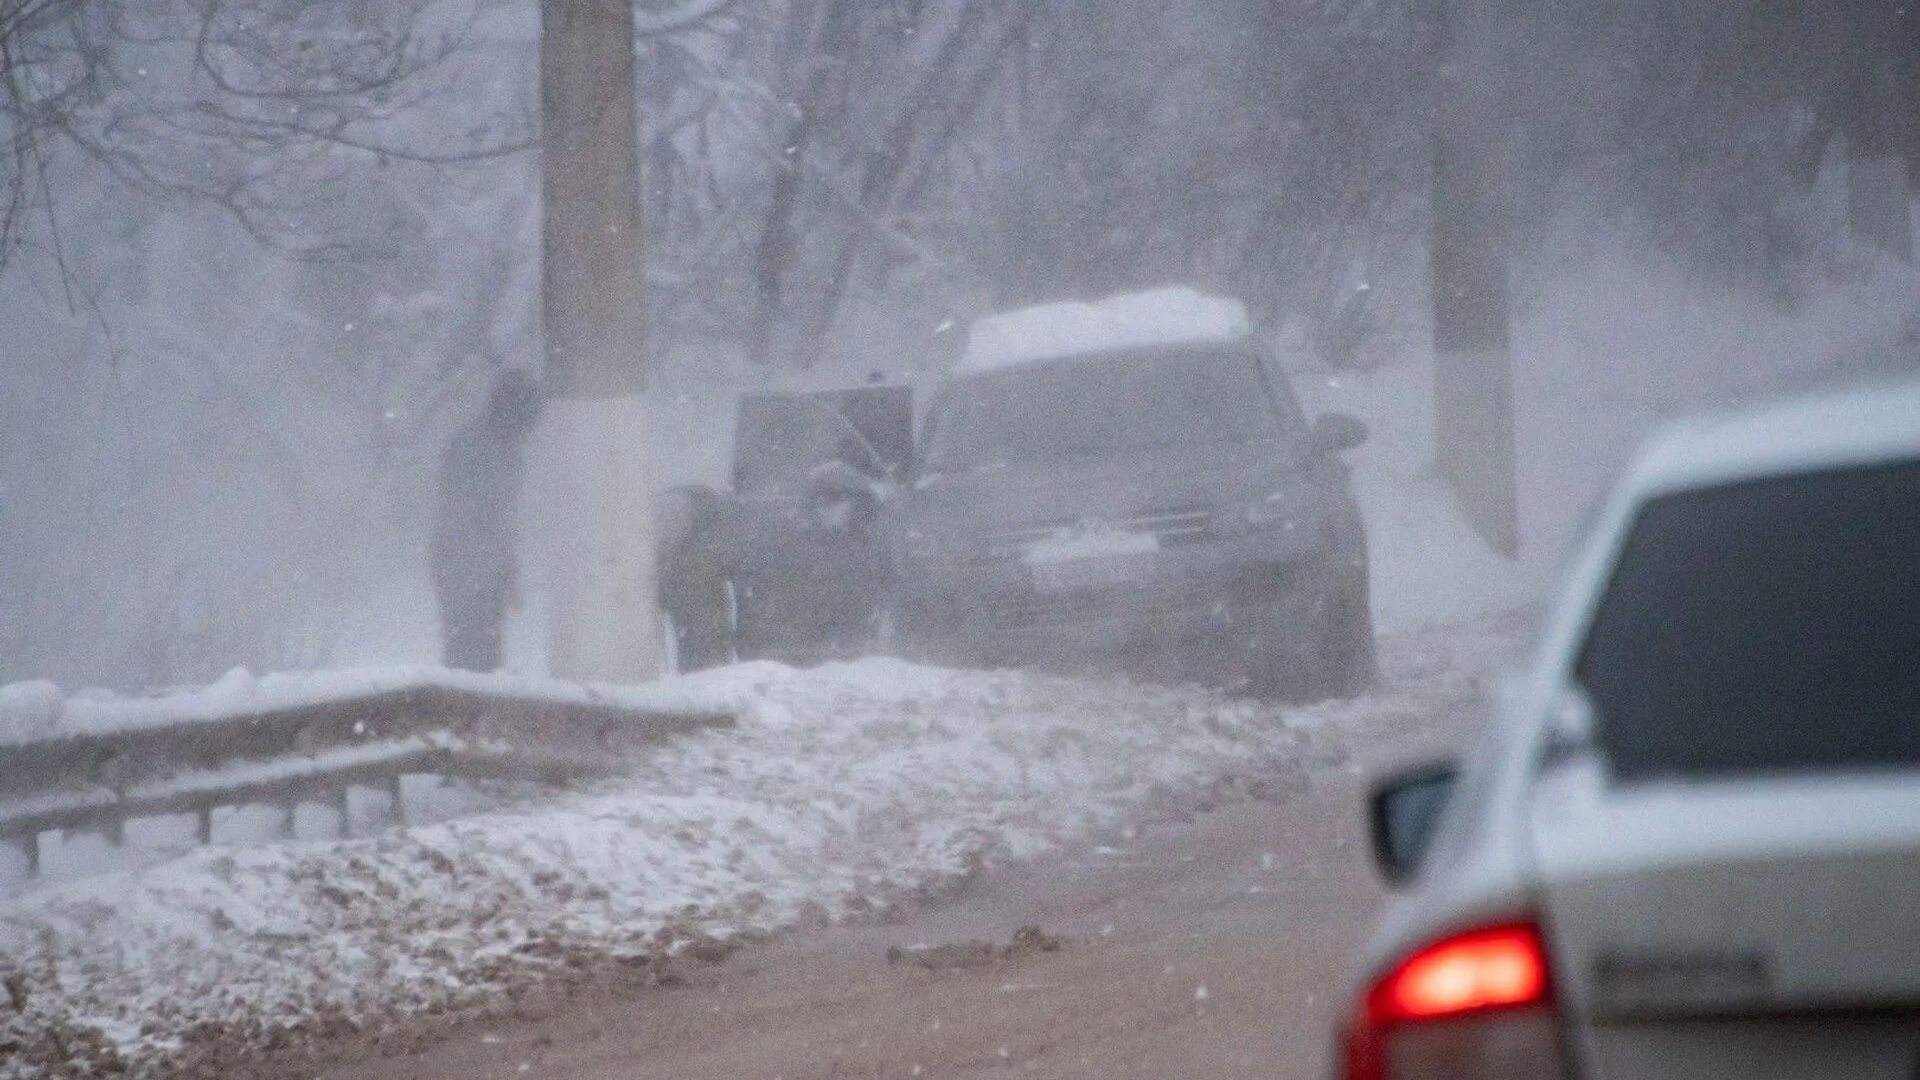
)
(1104, 404)
(1770, 625)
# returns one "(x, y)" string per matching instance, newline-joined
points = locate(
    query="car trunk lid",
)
(1748, 928)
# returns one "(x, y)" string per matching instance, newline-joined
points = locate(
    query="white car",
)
(1689, 845)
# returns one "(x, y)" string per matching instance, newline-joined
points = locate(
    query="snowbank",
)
(32, 711)
(844, 789)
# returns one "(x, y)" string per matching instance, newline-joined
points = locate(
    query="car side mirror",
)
(1401, 814)
(1334, 432)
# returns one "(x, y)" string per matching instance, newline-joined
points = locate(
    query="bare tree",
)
(270, 109)
(882, 95)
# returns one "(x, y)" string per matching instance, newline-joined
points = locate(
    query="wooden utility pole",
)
(594, 474)
(1472, 348)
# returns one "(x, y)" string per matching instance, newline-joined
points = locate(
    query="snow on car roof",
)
(1860, 425)
(1166, 316)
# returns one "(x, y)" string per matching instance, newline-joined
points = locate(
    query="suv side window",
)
(1763, 626)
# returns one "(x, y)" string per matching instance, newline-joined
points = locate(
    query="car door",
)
(809, 564)
(1727, 827)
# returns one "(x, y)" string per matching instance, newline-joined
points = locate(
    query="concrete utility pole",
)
(1879, 126)
(1473, 424)
(593, 473)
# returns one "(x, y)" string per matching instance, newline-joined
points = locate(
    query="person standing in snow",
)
(693, 576)
(475, 570)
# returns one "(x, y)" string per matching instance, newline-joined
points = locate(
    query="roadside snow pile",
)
(1167, 316)
(29, 710)
(844, 789)
(37, 711)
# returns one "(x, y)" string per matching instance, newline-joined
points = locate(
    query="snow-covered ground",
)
(844, 789)
(37, 709)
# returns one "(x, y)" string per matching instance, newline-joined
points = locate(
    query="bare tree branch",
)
(247, 101)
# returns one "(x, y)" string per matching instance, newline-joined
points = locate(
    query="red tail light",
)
(1478, 1004)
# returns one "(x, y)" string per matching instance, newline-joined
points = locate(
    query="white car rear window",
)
(1764, 626)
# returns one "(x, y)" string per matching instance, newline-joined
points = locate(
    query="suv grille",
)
(1025, 609)
(1180, 525)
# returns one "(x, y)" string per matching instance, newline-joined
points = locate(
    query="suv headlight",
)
(1281, 509)
(1275, 510)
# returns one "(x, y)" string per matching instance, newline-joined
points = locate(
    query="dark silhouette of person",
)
(694, 556)
(475, 570)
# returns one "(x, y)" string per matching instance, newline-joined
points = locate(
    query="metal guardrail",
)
(316, 752)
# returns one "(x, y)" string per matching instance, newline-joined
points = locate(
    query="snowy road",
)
(847, 791)
(1201, 948)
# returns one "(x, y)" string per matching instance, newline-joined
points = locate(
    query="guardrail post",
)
(203, 825)
(346, 810)
(399, 809)
(29, 846)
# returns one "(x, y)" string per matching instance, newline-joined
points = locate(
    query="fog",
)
(261, 260)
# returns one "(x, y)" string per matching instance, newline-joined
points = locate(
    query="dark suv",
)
(1097, 482)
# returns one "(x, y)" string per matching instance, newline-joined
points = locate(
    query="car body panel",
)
(1859, 1047)
(1856, 427)
(1786, 942)
(1774, 896)
(1742, 925)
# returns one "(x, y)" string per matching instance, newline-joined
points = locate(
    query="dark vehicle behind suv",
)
(1134, 479)
(791, 563)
